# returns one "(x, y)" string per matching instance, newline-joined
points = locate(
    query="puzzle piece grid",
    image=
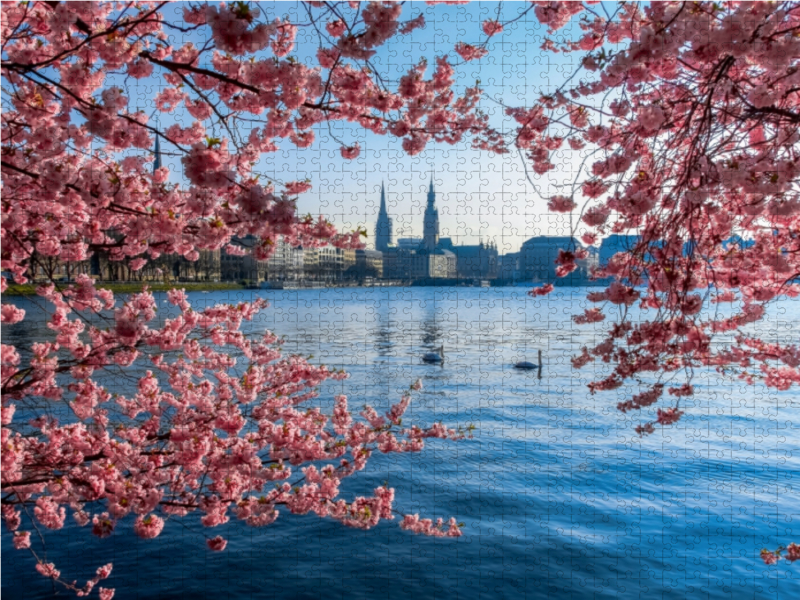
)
(559, 497)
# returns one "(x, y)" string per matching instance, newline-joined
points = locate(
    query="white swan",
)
(529, 365)
(434, 357)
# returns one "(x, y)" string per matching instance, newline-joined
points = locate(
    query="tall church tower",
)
(430, 228)
(157, 160)
(383, 228)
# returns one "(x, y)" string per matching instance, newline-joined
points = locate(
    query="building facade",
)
(508, 267)
(478, 261)
(538, 260)
(442, 264)
(368, 263)
(614, 244)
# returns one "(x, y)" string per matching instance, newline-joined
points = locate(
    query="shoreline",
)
(130, 287)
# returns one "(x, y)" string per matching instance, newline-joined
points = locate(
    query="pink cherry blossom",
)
(106, 593)
(48, 570)
(542, 290)
(149, 526)
(336, 28)
(22, 540)
(491, 27)
(668, 416)
(590, 315)
(469, 52)
(415, 23)
(793, 552)
(11, 314)
(351, 152)
(561, 204)
(217, 543)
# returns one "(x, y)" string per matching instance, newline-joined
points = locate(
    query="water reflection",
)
(430, 323)
(384, 328)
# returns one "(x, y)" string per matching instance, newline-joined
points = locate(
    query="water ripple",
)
(560, 498)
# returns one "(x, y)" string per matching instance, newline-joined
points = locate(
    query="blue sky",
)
(479, 195)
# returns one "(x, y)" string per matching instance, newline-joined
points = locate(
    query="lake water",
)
(560, 498)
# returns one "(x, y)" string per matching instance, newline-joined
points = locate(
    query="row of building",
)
(426, 259)
(298, 263)
(535, 262)
(432, 257)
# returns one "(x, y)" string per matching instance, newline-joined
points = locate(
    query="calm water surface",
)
(560, 498)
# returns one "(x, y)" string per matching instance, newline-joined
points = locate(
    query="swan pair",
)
(437, 357)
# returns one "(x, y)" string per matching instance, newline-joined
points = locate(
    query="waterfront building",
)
(441, 264)
(397, 263)
(207, 267)
(311, 263)
(614, 244)
(368, 263)
(508, 267)
(290, 263)
(329, 260)
(286, 263)
(246, 267)
(476, 261)
(423, 258)
(334, 262)
(417, 264)
(348, 258)
(538, 255)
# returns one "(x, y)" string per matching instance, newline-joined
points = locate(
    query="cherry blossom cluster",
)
(688, 140)
(684, 121)
(771, 557)
(201, 433)
(68, 193)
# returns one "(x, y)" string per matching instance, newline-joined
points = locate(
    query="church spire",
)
(383, 228)
(157, 160)
(430, 226)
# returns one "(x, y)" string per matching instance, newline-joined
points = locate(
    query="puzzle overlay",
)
(662, 482)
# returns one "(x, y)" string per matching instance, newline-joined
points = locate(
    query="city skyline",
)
(429, 235)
